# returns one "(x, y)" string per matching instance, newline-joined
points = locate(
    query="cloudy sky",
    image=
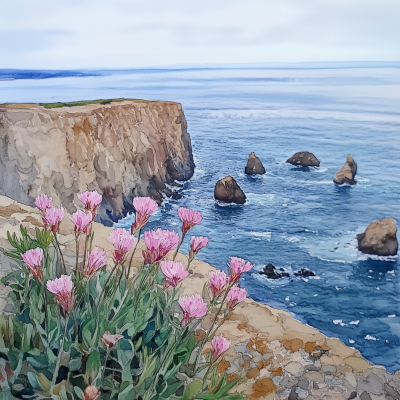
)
(65, 34)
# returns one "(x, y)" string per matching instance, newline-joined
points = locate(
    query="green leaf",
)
(192, 390)
(75, 363)
(92, 367)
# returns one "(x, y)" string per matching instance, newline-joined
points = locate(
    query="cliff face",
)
(122, 150)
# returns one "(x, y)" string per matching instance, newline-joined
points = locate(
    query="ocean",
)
(293, 218)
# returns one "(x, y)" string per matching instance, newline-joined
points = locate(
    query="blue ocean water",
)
(293, 218)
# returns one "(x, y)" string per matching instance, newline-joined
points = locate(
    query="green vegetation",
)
(85, 102)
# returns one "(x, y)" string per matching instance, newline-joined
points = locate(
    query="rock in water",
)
(347, 173)
(228, 191)
(304, 159)
(304, 272)
(379, 238)
(254, 166)
(269, 270)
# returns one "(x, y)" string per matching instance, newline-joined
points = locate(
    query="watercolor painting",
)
(199, 200)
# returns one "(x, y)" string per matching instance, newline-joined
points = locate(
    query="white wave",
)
(360, 179)
(354, 322)
(338, 322)
(266, 235)
(261, 199)
(392, 316)
(320, 169)
(292, 239)
(369, 337)
(364, 257)
(391, 272)
(222, 204)
(351, 341)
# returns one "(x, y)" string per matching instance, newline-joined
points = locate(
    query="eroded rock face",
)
(254, 165)
(304, 159)
(228, 191)
(379, 238)
(122, 150)
(347, 173)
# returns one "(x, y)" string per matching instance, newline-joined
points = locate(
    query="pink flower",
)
(236, 267)
(144, 206)
(82, 220)
(235, 296)
(219, 345)
(91, 200)
(218, 280)
(33, 258)
(189, 218)
(91, 393)
(53, 216)
(158, 244)
(174, 271)
(196, 244)
(123, 241)
(96, 260)
(110, 340)
(193, 307)
(43, 202)
(63, 288)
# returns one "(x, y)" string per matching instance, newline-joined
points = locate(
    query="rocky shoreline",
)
(280, 357)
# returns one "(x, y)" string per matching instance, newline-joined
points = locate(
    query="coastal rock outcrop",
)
(269, 271)
(304, 159)
(347, 173)
(228, 191)
(122, 149)
(379, 238)
(254, 165)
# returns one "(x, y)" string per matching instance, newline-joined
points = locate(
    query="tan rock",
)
(357, 363)
(228, 191)
(347, 173)
(315, 376)
(294, 368)
(254, 165)
(122, 149)
(379, 238)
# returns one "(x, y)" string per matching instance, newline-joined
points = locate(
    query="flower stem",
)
(133, 252)
(179, 245)
(60, 253)
(60, 353)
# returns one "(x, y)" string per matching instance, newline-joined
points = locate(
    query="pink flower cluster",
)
(144, 206)
(33, 259)
(96, 260)
(110, 340)
(174, 272)
(82, 220)
(235, 296)
(158, 244)
(189, 218)
(219, 345)
(63, 288)
(52, 217)
(43, 202)
(217, 283)
(236, 268)
(193, 307)
(196, 244)
(122, 241)
(91, 200)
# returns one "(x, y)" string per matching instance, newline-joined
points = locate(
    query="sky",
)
(96, 34)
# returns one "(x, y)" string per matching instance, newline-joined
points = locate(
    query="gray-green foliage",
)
(150, 362)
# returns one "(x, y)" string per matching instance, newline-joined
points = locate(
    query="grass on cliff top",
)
(85, 102)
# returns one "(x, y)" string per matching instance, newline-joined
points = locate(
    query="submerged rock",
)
(379, 238)
(228, 191)
(347, 173)
(254, 166)
(269, 271)
(304, 272)
(304, 159)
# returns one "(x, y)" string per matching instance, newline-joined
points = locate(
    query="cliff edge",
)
(121, 149)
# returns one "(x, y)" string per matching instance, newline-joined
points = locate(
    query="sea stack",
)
(228, 191)
(254, 166)
(379, 238)
(347, 173)
(304, 159)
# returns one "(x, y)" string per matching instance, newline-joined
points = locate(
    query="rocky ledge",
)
(122, 149)
(280, 357)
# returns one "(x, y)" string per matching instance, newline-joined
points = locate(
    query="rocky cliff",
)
(121, 149)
